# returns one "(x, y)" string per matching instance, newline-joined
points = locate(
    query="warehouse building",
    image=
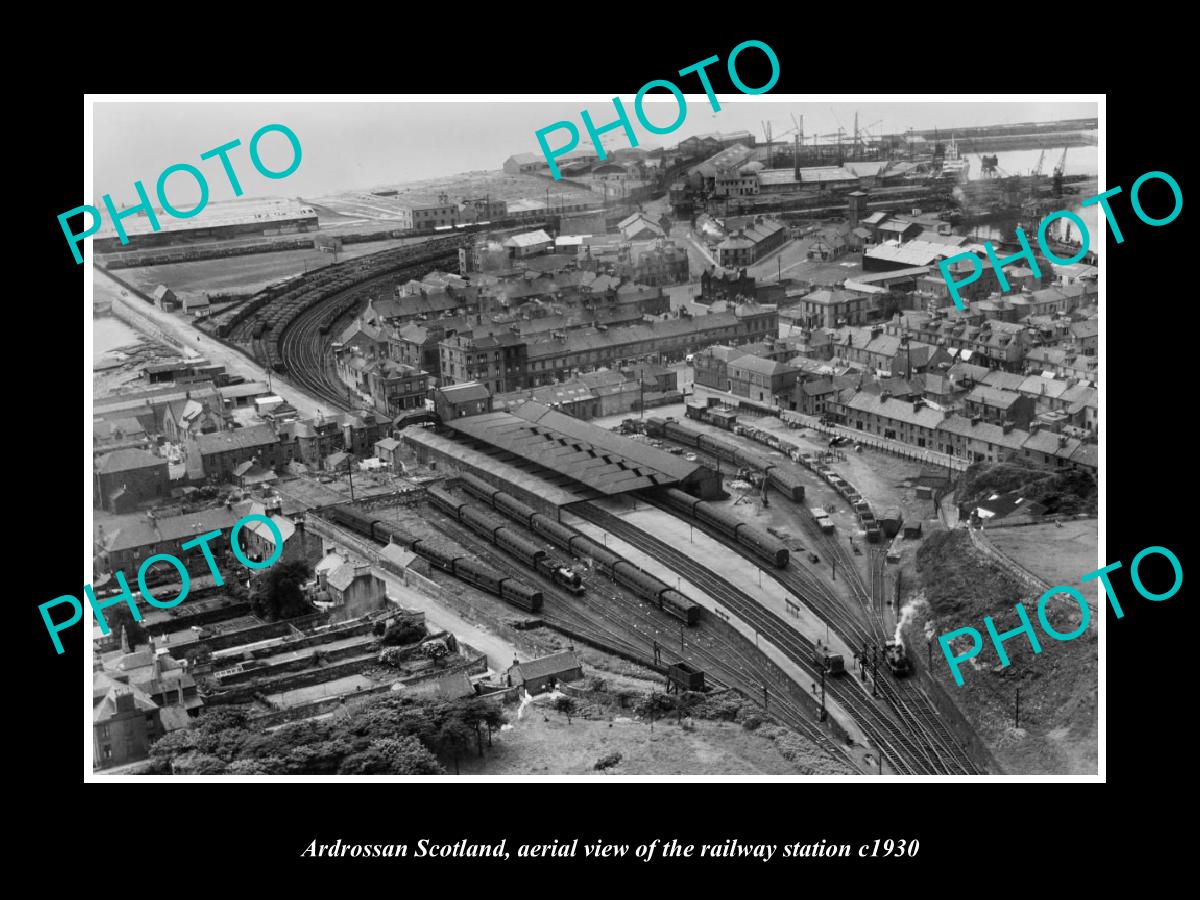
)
(218, 221)
(585, 460)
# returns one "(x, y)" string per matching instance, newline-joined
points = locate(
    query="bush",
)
(607, 761)
(197, 764)
(402, 633)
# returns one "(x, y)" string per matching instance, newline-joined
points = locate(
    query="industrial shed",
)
(543, 674)
(586, 454)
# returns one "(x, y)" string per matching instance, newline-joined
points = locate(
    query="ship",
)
(954, 164)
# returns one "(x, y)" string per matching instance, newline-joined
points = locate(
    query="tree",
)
(400, 633)
(566, 706)
(392, 756)
(279, 593)
(119, 617)
(197, 764)
(248, 767)
(893, 302)
(453, 739)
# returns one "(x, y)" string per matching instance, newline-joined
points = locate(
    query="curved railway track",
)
(304, 350)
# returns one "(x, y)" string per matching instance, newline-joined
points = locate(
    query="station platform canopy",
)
(603, 461)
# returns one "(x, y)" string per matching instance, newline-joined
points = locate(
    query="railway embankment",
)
(1038, 715)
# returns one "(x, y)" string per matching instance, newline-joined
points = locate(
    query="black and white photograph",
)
(469, 437)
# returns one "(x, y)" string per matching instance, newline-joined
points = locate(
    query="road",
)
(194, 342)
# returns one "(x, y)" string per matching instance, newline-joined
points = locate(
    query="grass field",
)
(542, 743)
(1058, 555)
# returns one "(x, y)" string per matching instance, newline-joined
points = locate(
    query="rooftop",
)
(587, 453)
(128, 460)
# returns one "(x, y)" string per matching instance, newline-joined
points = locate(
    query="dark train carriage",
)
(481, 522)
(439, 556)
(787, 482)
(479, 488)
(717, 517)
(681, 434)
(555, 532)
(654, 427)
(446, 501)
(482, 576)
(520, 594)
(680, 606)
(585, 548)
(769, 548)
(525, 550)
(681, 501)
(513, 508)
(641, 583)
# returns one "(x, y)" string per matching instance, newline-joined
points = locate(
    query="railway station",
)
(560, 459)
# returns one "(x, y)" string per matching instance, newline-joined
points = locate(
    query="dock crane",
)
(799, 125)
(1061, 168)
(1037, 170)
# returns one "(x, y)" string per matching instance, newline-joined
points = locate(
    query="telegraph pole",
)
(875, 672)
(350, 472)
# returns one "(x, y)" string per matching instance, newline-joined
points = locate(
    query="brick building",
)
(126, 478)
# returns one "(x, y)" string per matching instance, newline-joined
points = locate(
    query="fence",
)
(1012, 567)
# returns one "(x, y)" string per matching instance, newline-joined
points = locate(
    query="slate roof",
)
(236, 439)
(128, 460)
(555, 664)
(604, 461)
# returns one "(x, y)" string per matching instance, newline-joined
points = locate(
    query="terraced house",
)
(763, 380)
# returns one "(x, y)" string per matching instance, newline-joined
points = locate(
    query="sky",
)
(349, 145)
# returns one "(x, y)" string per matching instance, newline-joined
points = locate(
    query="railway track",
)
(905, 752)
(917, 713)
(908, 705)
(606, 610)
(304, 350)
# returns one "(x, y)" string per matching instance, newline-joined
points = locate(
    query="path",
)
(500, 653)
(193, 342)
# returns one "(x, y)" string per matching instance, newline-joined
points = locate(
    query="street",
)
(193, 342)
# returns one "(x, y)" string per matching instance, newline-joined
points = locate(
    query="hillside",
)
(1057, 732)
